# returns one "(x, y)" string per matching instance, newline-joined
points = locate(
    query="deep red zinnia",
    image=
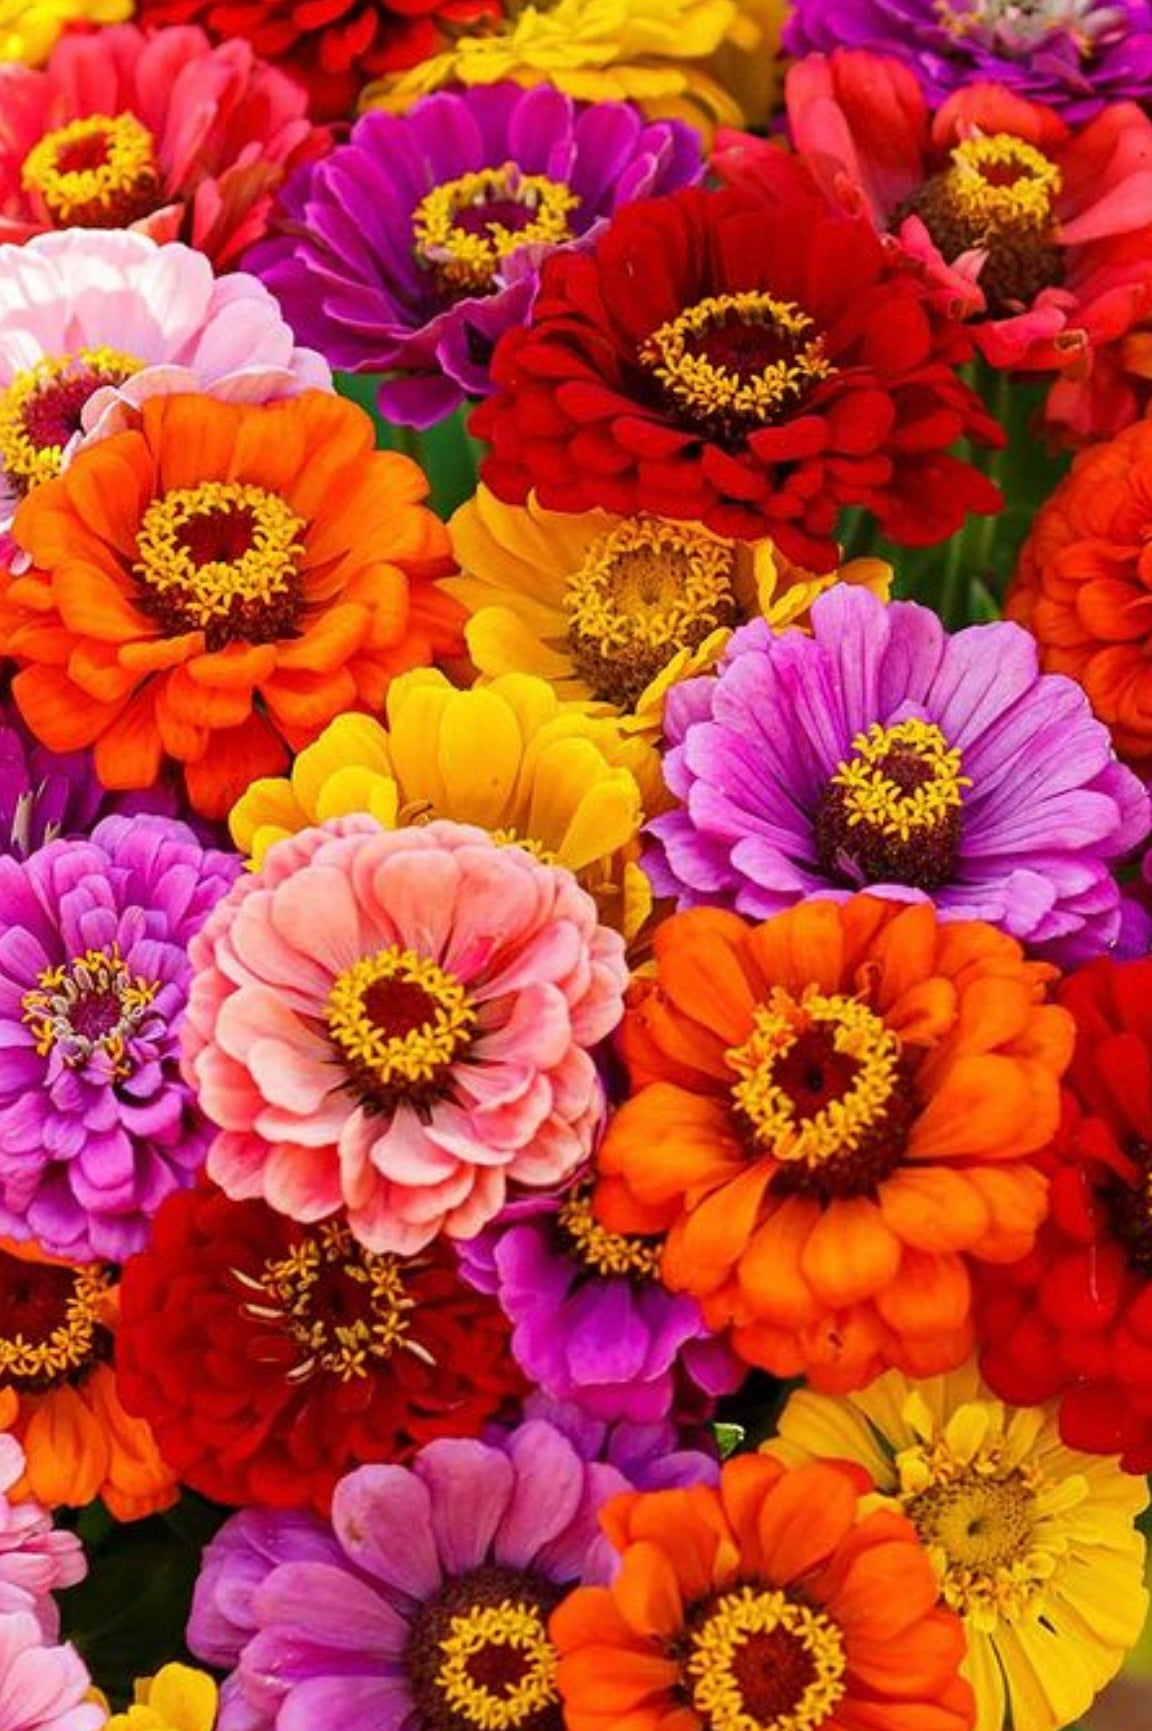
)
(1074, 1320)
(757, 363)
(273, 1357)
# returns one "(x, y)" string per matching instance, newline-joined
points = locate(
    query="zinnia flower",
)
(457, 203)
(1073, 1321)
(35, 1559)
(397, 1023)
(1014, 215)
(59, 1395)
(833, 1112)
(96, 1126)
(1080, 587)
(333, 52)
(557, 777)
(30, 29)
(1034, 1545)
(434, 1609)
(774, 1600)
(42, 1688)
(616, 610)
(214, 587)
(753, 364)
(93, 323)
(270, 1359)
(1075, 55)
(593, 1326)
(883, 753)
(177, 1698)
(161, 133)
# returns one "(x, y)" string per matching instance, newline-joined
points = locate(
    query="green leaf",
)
(445, 452)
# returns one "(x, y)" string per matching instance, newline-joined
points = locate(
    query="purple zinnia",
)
(591, 1322)
(412, 248)
(433, 1606)
(881, 753)
(1074, 55)
(96, 1124)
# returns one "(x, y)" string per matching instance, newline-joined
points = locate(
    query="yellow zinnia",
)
(509, 757)
(646, 51)
(617, 610)
(177, 1698)
(1035, 1544)
(30, 29)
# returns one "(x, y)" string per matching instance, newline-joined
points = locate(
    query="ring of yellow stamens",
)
(840, 1125)
(514, 1626)
(723, 1698)
(873, 794)
(72, 1342)
(98, 172)
(1001, 182)
(706, 361)
(54, 391)
(252, 592)
(457, 229)
(89, 1005)
(399, 1022)
(605, 1253)
(645, 591)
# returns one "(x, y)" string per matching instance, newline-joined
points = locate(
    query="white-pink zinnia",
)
(94, 321)
(397, 1024)
(35, 1559)
(42, 1688)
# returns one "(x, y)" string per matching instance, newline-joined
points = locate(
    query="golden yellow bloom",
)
(510, 757)
(747, 63)
(1035, 1544)
(651, 52)
(30, 29)
(617, 610)
(177, 1698)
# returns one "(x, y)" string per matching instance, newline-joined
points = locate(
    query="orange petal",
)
(934, 1208)
(850, 1253)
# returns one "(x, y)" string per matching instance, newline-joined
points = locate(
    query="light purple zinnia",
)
(881, 753)
(591, 1322)
(412, 248)
(432, 1606)
(96, 1124)
(1074, 55)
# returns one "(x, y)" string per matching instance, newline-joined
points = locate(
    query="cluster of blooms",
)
(575, 947)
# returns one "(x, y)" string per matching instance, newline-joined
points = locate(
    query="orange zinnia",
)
(832, 1111)
(771, 1601)
(217, 585)
(1082, 585)
(58, 1390)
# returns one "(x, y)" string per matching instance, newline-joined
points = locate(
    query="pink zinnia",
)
(162, 133)
(35, 1558)
(42, 1688)
(93, 323)
(1039, 232)
(397, 1024)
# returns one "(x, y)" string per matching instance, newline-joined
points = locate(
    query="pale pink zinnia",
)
(93, 322)
(398, 1023)
(42, 1688)
(35, 1558)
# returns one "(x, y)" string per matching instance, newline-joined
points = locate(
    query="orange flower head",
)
(1082, 585)
(781, 1600)
(830, 1113)
(58, 1390)
(214, 586)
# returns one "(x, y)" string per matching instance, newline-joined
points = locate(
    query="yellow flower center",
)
(479, 1657)
(345, 1307)
(40, 410)
(466, 228)
(891, 812)
(52, 1322)
(99, 172)
(735, 362)
(399, 1022)
(89, 1008)
(759, 1661)
(1001, 182)
(223, 558)
(646, 591)
(821, 1089)
(606, 1253)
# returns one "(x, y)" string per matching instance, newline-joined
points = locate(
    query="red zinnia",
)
(272, 1358)
(1074, 1319)
(754, 363)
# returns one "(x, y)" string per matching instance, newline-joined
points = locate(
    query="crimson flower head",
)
(756, 362)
